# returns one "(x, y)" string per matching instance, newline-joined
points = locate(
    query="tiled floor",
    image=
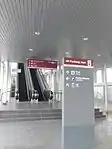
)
(47, 134)
(100, 103)
(30, 135)
(103, 130)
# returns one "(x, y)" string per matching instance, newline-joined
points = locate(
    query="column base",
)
(79, 137)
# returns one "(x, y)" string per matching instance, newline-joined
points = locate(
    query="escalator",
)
(36, 84)
(22, 88)
(48, 94)
(44, 80)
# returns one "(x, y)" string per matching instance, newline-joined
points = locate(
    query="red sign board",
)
(78, 62)
(34, 63)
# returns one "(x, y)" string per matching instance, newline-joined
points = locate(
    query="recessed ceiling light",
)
(99, 55)
(85, 38)
(30, 50)
(37, 33)
(67, 53)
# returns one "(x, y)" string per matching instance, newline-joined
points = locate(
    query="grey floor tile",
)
(30, 135)
(47, 134)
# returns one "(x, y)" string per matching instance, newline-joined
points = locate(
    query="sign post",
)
(77, 104)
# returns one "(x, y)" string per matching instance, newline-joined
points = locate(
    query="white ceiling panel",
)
(62, 25)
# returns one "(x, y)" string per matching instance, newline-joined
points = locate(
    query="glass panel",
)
(109, 100)
(109, 74)
(99, 97)
(99, 78)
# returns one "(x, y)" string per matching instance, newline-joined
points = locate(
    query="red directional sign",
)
(34, 63)
(78, 62)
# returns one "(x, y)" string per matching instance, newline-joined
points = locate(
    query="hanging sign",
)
(78, 62)
(34, 63)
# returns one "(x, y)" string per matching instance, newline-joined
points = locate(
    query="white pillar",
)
(4, 86)
(105, 89)
(60, 84)
(8, 80)
(1, 76)
(55, 80)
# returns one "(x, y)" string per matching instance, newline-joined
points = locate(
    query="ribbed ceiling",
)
(21, 18)
(61, 23)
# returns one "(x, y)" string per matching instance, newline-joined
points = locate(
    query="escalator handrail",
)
(41, 84)
(47, 91)
(27, 81)
(40, 80)
(44, 80)
(30, 80)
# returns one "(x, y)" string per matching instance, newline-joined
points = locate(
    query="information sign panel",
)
(78, 103)
(34, 63)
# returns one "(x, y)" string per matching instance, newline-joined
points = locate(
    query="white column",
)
(60, 84)
(1, 76)
(4, 83)
(8, 80)
(55, 81)
(105, 89)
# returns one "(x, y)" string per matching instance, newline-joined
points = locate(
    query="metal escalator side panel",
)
(28, 83)
(48, 94)
(30, 79)
(36, 84)
(40, 80)
(41, 84)
(44, 80)
(22, 84)
(44, 90)
(33, 78)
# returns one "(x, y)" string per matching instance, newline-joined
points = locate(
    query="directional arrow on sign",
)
(67, 84)
(67, 78)
(67, 72)
(73, 78)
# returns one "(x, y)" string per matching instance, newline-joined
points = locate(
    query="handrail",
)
(44, 80)
(27, 81)
(40, 80)
(30, 80)
(40, 83)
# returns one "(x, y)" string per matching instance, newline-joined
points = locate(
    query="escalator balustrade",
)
(17, 95)
(36, 84)
(48, 94)
(22, 84)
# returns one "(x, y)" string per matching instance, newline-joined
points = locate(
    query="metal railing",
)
(58, 95)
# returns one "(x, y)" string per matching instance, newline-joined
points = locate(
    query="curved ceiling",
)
(62, 25)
